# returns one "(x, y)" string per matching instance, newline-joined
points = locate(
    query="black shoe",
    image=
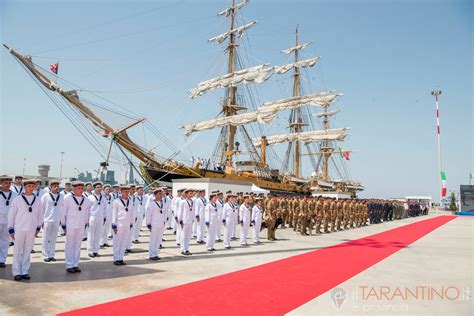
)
(47, 259)
(219, 240)
(77, 269)
(52, 259)
(233, 238)
(135, 242)
(123, 263)
(102, 246)
(183, 253)
(188, 253)
(210, 250)
(91, 255)
(33, 251)
(17, 278)
(162, 239)
(84, 239)
(96, 254)
(11, 243)
(2, 265)
(228, 247)
(117, 263)
(161, 247)
(128, 250)
(174, 233)
(213, 249)
(25, 277)
(71, 270)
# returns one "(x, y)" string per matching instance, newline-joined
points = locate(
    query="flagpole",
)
(436, 94)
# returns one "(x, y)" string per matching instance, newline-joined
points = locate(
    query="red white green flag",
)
(443, 184)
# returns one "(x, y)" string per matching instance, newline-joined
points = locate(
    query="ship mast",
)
(296, 123)
(326, 150)
(231, 92)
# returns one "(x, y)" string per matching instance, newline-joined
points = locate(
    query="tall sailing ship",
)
(237, 155)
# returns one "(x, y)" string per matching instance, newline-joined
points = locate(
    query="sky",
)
(384, 56)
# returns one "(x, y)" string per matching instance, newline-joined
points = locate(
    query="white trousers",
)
(256, 229)
(128, 243)
(121, 238)
(96, 228)
(138, 226)
(201, 230)
(244, 231)
(4, 240)
(178, 233)
(50, 235)
(186, 232)
(170, 221)
(106, 230)
(195, 224)
(156, 236)
(229, 228)
(73, 246)
(211, 235)
(24, 242)
(219, 229)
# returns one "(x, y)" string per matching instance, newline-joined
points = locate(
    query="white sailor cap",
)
(19, 177)
(124, 187)
(116, 185)
(157, 190)
(77, 183)
(106, 186)
(188, 190)
(5, 178)
(139, 186)
(52, 182)
(30, 181)
(97, 183)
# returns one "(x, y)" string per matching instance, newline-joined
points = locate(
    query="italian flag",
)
(443, 184)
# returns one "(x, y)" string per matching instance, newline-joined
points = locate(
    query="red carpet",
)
(274, 288)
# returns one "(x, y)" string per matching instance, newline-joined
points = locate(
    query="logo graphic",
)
(338, 297)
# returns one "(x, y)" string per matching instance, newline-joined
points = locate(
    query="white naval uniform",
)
(140, 202)
(134, 203)
(123, 216)
(18, 189)
(96, 222)
(211, 216)
(176, 206)
(24, 224)
(257, 215)
(170, 223)
(39, 192)
(156, 217)
(229, 218)
(186, 218)
(244, 216)
(52, 213)
(108, 201)
(6, 199)
(199, 206)
(220, 210)
(74, 221)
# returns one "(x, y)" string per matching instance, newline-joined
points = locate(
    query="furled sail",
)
(320, 99)
(257, 74)
(302, 63)
(306, 137)
(237, 31)
(227, 11)
(292, 49)
(331, 113)
(262, 116)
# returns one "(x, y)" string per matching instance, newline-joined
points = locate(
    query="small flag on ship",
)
(54, 68)
(345, 153)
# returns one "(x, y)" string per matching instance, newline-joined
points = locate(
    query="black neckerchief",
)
(97, 199)
(190, 205)
(126, 206)
(78, 204)
(108, 199)
(203, 201)
(214, 205)
(160, 206)
(55, 200)
(7, 199)
(18, 191)
(30, 209)
(140, 200)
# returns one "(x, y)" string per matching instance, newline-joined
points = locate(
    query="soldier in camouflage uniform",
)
(270, 217)
(340, 214)
(319, 214)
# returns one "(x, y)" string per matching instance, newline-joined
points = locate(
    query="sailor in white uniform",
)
(170, 223)
(88, 189)
(108, 200)
(74, 221)
(176, 205)
(52, 203)
(96, 219)
(211, 217)
(17, 187)
(24, 223)
(229, 219)
(257, 216)
(123, 215)
(134, 203)
(186, 219)
(116, 191)
(67, 188)
(140, 201)
(244, 216)
(220, 209)
(6, 199)
(156, 217)
(199, 207)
